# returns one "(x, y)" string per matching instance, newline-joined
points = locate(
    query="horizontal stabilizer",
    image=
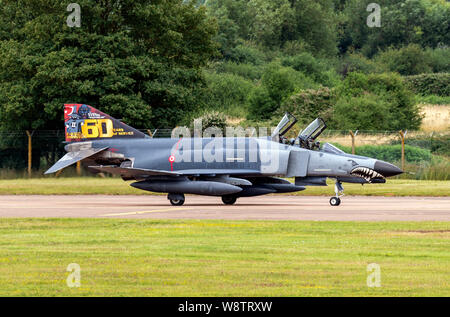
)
(73, 157)
(131, 173)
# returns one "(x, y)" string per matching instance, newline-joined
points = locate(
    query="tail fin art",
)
(85, 123)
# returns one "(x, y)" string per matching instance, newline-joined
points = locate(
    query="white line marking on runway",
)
(143, 212)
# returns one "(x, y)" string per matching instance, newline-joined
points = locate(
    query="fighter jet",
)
(229, 167)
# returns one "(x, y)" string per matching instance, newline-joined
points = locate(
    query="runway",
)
(352, 208)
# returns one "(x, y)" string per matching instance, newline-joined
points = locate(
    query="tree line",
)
(161, 63)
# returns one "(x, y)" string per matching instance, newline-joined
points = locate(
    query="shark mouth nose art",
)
(366, 173)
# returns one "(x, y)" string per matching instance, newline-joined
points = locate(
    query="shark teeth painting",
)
(367, 173)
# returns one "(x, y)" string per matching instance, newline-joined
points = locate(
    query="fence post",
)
(29, 134)
(79, 168)
(353, 140)
(402, 136)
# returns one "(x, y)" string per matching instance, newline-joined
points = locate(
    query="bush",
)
(439, 144)
(368, 112)
(433, 99)
(409, 60)
(247, 71)
(261, 105)
(228, 93)
(390, 153)
(359, 63)
(393, 103)
(246, 55)
(213, 119)
(430, 84)
(311, 67)
(277, 83)
(292, 48)
(439, 59)
(309, 104)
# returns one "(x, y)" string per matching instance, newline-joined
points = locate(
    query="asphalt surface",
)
(255, 208)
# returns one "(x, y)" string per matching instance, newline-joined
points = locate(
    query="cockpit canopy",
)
(313, 130)
(306, 138)
(284, 126)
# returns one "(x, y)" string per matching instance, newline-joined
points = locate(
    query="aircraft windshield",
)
(313, 130)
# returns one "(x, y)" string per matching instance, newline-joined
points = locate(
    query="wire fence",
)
(34, 153)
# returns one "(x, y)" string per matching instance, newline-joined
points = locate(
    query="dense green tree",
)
(357, 62)
(375, 102)
(277, 84)
(408, 60)
(233, 20)
(228, 93)
(139, 60)
(308, 104)
(439, 59)
(424, 22)
(274, 24)
(312, 67)
(368, 112)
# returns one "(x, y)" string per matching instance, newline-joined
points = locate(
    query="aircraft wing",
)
(73, 157)
(131, 173)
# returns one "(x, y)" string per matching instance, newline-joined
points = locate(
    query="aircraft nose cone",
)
(386, 169)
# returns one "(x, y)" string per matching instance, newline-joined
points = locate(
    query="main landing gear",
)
(176, 199)
(339, 190)
(229, 200)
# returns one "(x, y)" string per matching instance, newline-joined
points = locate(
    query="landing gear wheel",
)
(176, 202)
(176, 199)
(339, 190)
(229, 200)
(335, 201)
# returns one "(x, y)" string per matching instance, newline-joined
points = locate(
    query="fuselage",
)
(230, 167)
(235, 156)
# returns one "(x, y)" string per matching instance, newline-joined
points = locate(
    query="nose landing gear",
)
(339, 190)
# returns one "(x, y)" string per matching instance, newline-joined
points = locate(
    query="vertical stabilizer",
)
(85, 123)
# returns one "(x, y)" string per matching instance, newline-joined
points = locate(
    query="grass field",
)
(222, 258)
(116, 186)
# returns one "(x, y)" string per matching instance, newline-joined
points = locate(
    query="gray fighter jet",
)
(230, 167)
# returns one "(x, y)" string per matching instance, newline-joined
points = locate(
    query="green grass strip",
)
(116, 186)
(222, 258)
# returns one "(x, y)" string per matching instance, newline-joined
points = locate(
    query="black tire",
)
(229, 200)
(335, 201)
(176, 202)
